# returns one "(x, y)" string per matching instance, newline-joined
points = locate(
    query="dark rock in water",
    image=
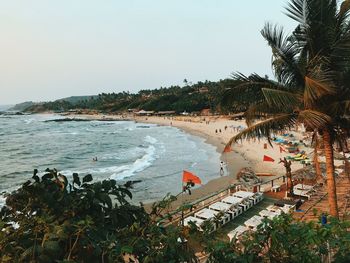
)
(78, 119)
(143, 126)
(66, 119)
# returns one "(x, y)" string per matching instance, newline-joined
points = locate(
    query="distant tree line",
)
(189, 98)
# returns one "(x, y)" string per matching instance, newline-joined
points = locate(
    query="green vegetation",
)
(82, 221)
(284, 240)
(22, 106)
(312, 68)
(190, 98)
(50, 219)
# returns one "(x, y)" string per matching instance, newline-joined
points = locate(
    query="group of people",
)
(216, 130)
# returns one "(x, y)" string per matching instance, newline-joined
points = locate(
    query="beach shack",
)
(166, 113)
(144, 113)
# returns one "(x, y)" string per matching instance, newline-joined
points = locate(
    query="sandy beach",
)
(243, 154)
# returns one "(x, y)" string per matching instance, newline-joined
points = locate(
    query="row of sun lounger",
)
(231, 207)
(253, 222)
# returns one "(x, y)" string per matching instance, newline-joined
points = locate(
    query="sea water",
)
(125, 150)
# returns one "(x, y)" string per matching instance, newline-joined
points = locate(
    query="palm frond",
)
(315, 89)
(297, 10)
(340, 55)
(314, 119)
(267, 127)
(343, 127)
(247, 92)
(285, 51)
(261, 111)
(340, 108)
(282, 99)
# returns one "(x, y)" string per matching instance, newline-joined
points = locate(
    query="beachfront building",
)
(144, 113)
(166, 113)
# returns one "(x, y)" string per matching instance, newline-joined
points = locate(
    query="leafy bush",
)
(286, 240)
(81, 221)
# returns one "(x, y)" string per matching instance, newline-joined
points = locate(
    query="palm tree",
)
(311, 67)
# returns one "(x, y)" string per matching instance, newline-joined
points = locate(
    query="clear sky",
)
(55, 49)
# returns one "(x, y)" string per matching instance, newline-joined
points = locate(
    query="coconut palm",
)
(311, 67)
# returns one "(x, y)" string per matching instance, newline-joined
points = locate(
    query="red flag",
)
(282, 149)
(227, 149)
(190, 177)
(268, 159)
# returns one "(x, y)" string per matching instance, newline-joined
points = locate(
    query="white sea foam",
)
(138, 165)
(2, 200)
(123, 171)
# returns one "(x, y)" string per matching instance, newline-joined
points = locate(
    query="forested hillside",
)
(189, 98)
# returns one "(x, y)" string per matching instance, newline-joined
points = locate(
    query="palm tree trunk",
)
(331, 188)
(316, 162)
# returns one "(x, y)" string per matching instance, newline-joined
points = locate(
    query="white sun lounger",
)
(232, 211)
(220, 206)
(237, 232)
(268, 214)
(274, 208)
(195, 220)
(303, 187)
(206, 214)
(253, 222)
(233, 200)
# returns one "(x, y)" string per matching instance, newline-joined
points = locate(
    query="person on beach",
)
(222, 168)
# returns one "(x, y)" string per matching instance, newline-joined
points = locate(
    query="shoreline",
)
(216, 131)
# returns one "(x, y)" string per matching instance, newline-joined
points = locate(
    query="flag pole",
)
(182, 202)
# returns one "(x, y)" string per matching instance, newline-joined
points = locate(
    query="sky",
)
(55, 49)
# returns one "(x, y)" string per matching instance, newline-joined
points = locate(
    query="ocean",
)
(125, 150)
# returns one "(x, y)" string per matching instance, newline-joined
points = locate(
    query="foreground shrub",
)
(50, 219)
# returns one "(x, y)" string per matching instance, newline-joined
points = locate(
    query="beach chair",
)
(268, 214)
(225, 208)
(197, 221)
(237, 232)
(274, 208)
(253, 222)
